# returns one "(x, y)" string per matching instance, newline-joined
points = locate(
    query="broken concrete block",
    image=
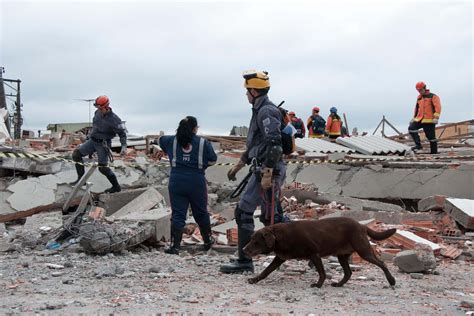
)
(43, 222)
(3, 229)
(44, 167)
(409, 261)
(431, 203)
(408, 240)
(32, 188)
(5, 207)
(114, 202)
(160, 218)
(97, 212)
(232, 236)
(143, 202)
(461, 210)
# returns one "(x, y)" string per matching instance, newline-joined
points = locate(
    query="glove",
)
(412, 120)
(435, 121)
(123, 151)
(233, 171)
(266, 181)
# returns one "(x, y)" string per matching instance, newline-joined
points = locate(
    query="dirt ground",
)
(148, 281)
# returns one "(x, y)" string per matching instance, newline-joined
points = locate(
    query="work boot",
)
(416, 147)
(206, 237)
(434, 147)
(115, 185)
(244, 263)
(417, 140)
(175, 245)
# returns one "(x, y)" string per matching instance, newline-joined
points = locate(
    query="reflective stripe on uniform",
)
(201, 153)
(175, 144)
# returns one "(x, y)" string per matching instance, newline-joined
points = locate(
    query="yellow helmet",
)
(256, 79)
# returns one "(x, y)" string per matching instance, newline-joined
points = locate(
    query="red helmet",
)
(316, 109)
(292, 113)
(102, 101)
(420, 85)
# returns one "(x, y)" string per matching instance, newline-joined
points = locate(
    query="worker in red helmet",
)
(105, 125)
(297, 124)
(316, 124)
(426, 116)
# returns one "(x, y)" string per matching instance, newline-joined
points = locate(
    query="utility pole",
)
(89, 101)
(17, 119)
(3, 101)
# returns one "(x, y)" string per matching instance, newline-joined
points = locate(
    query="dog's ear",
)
(269, 239)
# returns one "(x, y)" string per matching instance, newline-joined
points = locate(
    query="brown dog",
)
(316, 239)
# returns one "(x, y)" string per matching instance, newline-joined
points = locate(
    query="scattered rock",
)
(154, 269)
(416, 275)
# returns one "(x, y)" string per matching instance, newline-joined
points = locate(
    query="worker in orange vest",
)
(315, 124)
(427, 112)
(334, 124)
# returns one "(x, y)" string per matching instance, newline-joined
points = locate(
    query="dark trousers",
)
(185, 190)
(430, 133)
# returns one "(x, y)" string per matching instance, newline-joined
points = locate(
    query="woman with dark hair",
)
(333, 124)
(189, 155)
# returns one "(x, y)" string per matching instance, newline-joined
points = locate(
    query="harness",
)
(106, 147)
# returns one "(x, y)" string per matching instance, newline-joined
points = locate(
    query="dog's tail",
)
(380, 235)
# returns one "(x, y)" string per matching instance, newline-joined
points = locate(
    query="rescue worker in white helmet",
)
(264, 149)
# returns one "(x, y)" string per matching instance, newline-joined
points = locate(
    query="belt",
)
(97, 140)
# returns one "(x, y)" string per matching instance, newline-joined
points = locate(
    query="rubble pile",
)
(120, 232)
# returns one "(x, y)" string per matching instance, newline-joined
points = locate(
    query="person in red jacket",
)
(426, 116)
(297, 124)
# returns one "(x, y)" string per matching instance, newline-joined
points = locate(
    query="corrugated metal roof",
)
(373, 145)
(319, 145)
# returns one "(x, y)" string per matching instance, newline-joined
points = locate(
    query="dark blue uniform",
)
(104, 128)
(187, 184)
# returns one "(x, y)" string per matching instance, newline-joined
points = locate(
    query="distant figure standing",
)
(315, 124)
(427, 112)
(190, 155)
(297, 124)
(333, 125)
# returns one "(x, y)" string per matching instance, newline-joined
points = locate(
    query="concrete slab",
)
(3, 229)
(159, 217)
(145, 201)
(5, 207)
(114, 202)
(29, 193)
(33, 166)
(462, 210)
(364, 182)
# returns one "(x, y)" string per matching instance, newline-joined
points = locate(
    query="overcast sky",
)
(161, 61)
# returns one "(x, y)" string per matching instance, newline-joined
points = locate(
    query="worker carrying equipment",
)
(298, 125)
(316, 124)
(264, 151)
(426, 116)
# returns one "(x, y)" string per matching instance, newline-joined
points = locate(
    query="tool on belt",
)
(106, 146)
